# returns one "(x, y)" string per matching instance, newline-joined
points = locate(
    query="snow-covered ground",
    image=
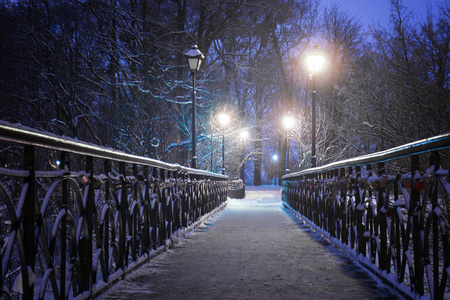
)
(253, 249)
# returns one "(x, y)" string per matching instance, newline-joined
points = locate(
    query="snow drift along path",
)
(253, 249)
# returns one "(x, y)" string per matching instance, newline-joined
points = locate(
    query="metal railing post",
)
(88, 274)
(65, 164)
(417, 228)
(382, 206)
(123, 213)
(350, 208)
(343, 209)
(29, 218)
(359, 213)
(146, 217)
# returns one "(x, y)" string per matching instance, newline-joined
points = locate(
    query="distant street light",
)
(288, 123)
(194, 58)
(244, 136)
(315, 62)
(275, 159)
(224, 120)
(212, 150)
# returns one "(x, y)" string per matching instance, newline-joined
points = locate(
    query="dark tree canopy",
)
(113, 72)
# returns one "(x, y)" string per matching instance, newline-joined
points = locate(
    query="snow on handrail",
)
(422, 146)
(20, 134)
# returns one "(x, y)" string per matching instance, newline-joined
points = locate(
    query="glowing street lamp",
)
(194, 58)
(224, 120)
(315, 62)
(275, 159)
(244, 136)
(288, 123)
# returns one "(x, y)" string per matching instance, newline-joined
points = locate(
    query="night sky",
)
(374, 11)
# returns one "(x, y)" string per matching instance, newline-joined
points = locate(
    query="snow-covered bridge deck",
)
(253, 249)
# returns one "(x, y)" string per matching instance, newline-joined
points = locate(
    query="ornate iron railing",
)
(75, 217)
(390, 209)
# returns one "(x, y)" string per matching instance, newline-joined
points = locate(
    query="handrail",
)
(394, 220)
(20, 134)
(71, 230)
(426, 145)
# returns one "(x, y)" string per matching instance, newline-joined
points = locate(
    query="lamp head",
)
(315, 60)
(224, 119)
(244, 134)
(288, 121)
(194, 58)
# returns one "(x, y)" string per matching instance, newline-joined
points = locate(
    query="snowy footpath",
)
(253, 249)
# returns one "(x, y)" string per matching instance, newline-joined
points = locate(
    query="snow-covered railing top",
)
(422, 146)
(20, 134)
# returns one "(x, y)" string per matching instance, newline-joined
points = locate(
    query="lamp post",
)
(224, 119)
(275, 159)
(315, 62)
(212, 150)
(194, 58)
(288, 123)
(244, 136)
